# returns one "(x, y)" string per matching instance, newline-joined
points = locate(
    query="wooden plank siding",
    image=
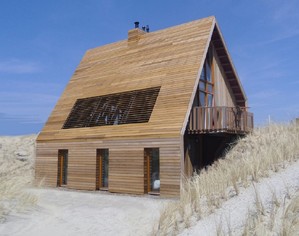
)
(169, 58)
(126, 164)
(223, 95)
(126, 170)
(46, 165)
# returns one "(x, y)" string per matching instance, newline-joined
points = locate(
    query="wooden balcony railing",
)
(220, 119)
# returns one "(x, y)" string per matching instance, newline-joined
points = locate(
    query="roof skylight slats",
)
(113, 109)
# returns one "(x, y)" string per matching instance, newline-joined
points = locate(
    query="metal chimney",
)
(136, 23)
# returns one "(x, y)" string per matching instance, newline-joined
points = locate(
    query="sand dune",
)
(17, 155)
(267, 203)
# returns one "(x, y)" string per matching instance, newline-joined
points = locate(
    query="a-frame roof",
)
(171, 58)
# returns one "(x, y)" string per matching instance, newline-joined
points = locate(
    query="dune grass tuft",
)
(282, 219)
(267, 149)
(16, 173)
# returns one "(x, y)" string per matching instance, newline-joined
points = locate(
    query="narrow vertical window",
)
(102, 169)
(151, 170)
(206, 83)
(62, 167)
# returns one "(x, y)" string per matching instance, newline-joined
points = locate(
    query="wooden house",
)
(139, 114)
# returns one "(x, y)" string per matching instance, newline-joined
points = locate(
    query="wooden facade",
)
(171, 60)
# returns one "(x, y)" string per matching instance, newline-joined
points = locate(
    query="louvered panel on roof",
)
(113, 109)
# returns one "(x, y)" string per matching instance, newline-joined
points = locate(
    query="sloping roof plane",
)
(170, 59)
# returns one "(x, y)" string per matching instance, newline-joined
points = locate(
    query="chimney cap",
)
(136, 23)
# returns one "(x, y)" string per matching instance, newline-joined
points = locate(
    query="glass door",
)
(62, 167)
(151, 171)
(102, 170)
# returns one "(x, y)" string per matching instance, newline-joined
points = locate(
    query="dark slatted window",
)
(113, 109)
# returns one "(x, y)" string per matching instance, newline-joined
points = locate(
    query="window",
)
(62, 167)
(151, 170)
(114, 109)
(102, 169)
(206, 83)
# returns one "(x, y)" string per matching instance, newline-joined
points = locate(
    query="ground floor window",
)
(62, 167)
(102, 170)
(151, 170)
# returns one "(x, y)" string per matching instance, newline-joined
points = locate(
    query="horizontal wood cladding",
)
(81, 168)
(168, 58)
(46, 165)
(223, 93)
(126, 164)
(170, 165)
(126, 171)
(135, 35)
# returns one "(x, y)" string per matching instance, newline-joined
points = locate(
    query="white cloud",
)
(285, 11)
(25, 119)
(27, 107)
(16, 66)
(265, 94)
(287, 34)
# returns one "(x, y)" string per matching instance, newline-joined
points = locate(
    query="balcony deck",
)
(220, 120)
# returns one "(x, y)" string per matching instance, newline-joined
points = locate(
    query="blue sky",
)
(42, 42)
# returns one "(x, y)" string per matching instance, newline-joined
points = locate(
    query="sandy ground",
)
(67, 212)
(64, 212)
(61, 212)
(234, 212)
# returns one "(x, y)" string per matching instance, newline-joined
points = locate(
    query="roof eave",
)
(234, 72)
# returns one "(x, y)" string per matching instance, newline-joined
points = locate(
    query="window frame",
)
(62, 167)
(101, 154)
(206, 87)
(148, 174)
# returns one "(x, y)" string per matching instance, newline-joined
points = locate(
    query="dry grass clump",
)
(16, 172)
(282, 219)
(266, 149)
(290, 218)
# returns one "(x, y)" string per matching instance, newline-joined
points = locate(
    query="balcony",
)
(220, 120)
